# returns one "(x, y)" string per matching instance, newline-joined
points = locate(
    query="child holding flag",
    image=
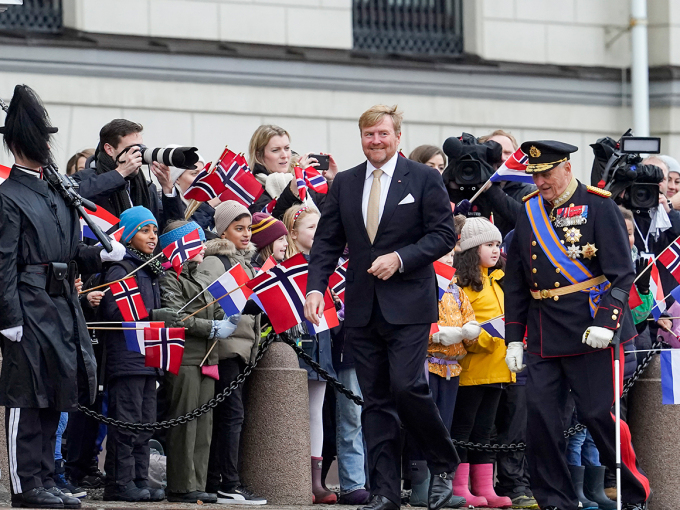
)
(301, 222)
(232, 248)
(188, 446)
(444, 351)
(132, 385)
(479, 272)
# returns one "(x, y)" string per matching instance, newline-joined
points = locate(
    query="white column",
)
(639, 67)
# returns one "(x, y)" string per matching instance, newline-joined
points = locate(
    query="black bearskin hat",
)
(27, 128)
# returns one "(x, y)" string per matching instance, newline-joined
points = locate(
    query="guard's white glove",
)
(514, 357)
(116, 254)
(448, 335)
(471, 330)
(14, 334)
(597, 337)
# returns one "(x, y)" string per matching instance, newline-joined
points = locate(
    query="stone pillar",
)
(275, 440)
(654, 428)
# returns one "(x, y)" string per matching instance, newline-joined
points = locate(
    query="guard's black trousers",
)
(591, 380)
(389, 361)
(31, 439)
(511, 426)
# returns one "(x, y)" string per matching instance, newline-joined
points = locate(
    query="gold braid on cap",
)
(542, 167)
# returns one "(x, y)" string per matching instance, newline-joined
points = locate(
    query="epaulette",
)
(530, 195)
(599, 191)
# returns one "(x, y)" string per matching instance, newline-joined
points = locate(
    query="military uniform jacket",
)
(595, 236)
(53, 365)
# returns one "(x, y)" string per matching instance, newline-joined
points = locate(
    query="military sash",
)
(550, 243)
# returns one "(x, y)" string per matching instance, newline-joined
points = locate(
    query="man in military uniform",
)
(568, 275)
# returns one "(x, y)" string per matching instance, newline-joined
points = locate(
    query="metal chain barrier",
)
(181, 420)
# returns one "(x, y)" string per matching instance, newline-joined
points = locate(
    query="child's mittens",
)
(471, 330)
(448, 335)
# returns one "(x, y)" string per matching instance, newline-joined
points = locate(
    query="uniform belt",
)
(569, 289)
(34, 268)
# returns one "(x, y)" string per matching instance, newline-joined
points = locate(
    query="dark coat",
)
(119, 360)
(53, 366)
(289, 199)
(99, 187)
(420, 231)
(555, 328)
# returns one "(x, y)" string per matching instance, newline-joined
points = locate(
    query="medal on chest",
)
(573, 215)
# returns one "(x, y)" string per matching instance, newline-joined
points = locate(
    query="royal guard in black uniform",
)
(568, 275)
(48, 365)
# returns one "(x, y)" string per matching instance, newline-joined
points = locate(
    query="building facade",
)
(208, 72)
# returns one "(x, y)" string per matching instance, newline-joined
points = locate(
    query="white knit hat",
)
(478, 231)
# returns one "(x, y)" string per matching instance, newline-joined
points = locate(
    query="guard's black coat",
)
(53, 365)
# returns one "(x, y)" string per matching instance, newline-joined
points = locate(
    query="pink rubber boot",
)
(482, 484)
(460, 487)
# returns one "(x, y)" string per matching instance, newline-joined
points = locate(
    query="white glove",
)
(514, 356)
(276, 183)
(597, 337)
(116, 254)
(471, 330)
(448, 335)
(14, 334)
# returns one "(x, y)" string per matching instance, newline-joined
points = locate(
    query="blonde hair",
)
(259, 141)
(375, 114)
(291, 219)
(71, 166)
(500, 132)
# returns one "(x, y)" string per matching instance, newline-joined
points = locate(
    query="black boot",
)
(36, 498)
(593, 487)
(576, 473)
(67, 499)
(129, 492)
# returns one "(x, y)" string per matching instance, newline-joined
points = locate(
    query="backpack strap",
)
(225, 261)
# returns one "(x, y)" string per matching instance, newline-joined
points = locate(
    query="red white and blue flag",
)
(338, 280)
(282, 292)
(239, 184)
(206, 186)
(129, 300)
(233, 281)
(315, 180)
(134, 334)
(513, 169)
(670, 258)
(301, 183)
(183, 249)
(444, 275)
(4, 173)
(164, 348)
(269, 208)
(656, 290)
(495, 327)
(102, 218)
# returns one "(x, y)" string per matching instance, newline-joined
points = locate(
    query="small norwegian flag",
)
(164, 348)
(242, 163)
(183, 249)
(301, 183)
(282, 292)
(444, 276)
(269, 208)
(240, 185)
(233, 282)
(206, 186)
(338, 280)
(315, 180)
(513, 169)
(134, 335)
(670, 258)
(656, 290)
(129, 300)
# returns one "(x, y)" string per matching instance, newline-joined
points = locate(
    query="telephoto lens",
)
(179, 157)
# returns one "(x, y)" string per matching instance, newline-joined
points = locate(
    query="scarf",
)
(154, 266)
(122, 199)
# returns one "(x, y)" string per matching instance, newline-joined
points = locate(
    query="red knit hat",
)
(266, 229)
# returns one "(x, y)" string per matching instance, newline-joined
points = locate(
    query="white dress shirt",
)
(385, 181)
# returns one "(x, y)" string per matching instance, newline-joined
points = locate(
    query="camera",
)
(323, 160)
(617, 168)
(470, 165)
(179, 157)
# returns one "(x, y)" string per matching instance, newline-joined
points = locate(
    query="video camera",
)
(470, 165)
(617, 169)
(179, 157)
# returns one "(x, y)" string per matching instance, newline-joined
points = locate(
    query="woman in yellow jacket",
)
(479, 273)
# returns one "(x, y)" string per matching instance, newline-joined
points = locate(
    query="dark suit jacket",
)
(421, 232)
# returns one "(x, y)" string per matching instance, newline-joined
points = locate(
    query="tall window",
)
(431, 27)
(33, 16)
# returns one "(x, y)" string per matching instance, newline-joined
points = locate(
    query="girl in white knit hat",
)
(479, 273)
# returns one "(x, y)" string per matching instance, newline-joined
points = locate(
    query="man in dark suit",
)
(396, 218)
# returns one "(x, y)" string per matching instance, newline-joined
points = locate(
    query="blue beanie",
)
(133, 219)
(178, 233)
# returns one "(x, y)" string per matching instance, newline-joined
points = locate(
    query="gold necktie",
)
(373, 211)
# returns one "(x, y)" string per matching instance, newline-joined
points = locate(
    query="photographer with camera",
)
(114, 179)
(471, 164)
